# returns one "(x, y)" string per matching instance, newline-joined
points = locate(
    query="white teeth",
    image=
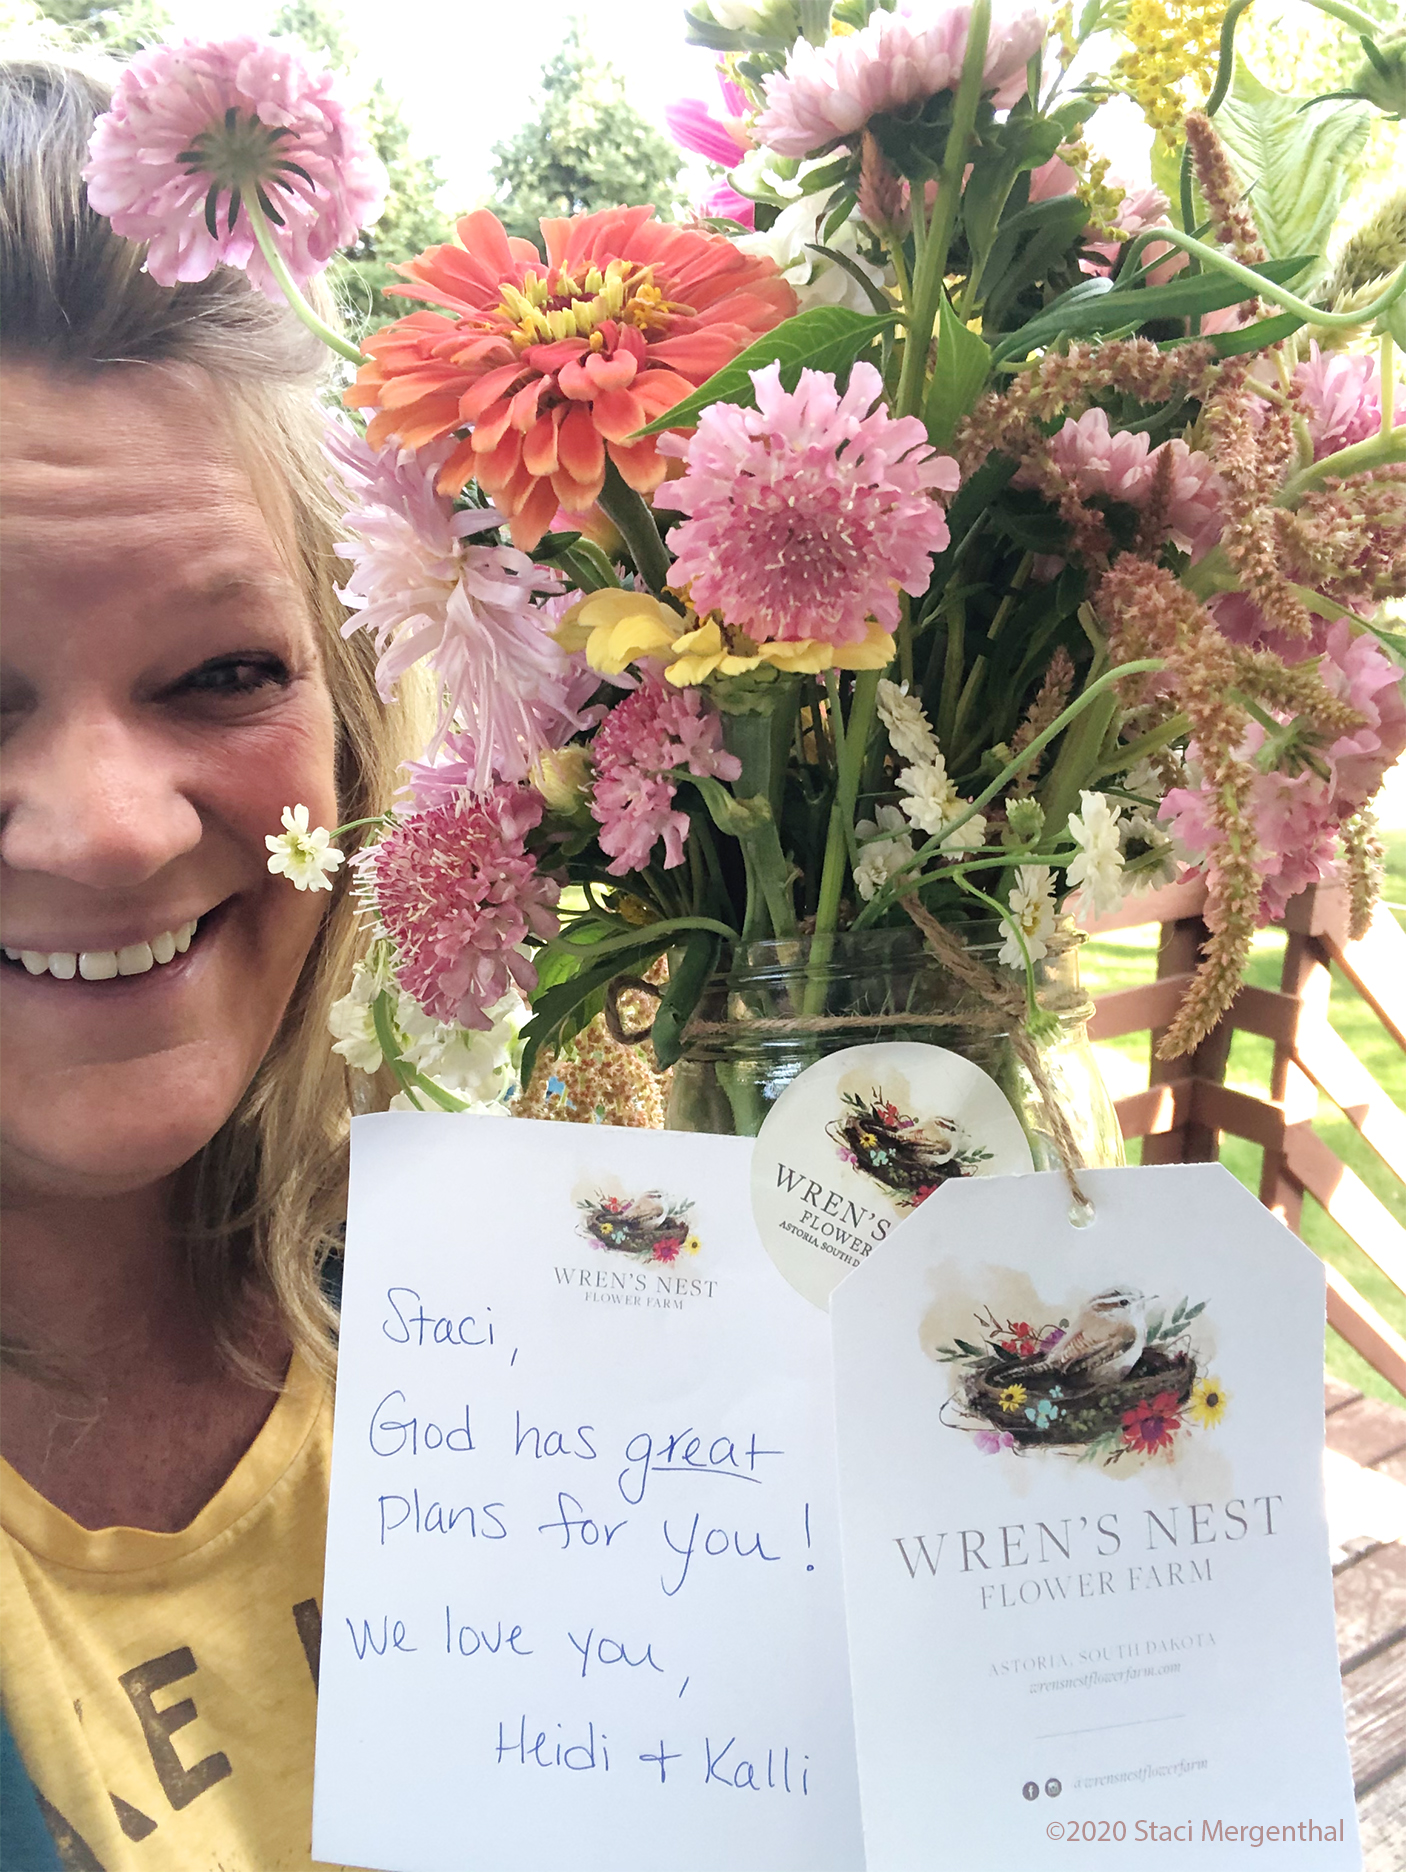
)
(105, 964)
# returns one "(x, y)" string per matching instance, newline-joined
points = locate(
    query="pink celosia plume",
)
(423, 591)
(805, 513)
(456, 891)
(197, 130)
(829, 92)
(1298, 817)
(639, 745)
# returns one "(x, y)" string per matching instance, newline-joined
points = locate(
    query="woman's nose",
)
(96, 801)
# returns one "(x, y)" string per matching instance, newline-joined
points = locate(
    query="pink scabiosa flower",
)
(831, 91)
(637, 748)
(1342, 392)
(456, 891)
(422, 591)
(804, 513)
(202, 135)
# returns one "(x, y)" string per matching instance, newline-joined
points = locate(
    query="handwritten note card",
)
(583, 1600)
(1086, 1558)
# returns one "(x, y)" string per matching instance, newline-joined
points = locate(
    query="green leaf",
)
(553, 1010)
(826, 338)
(959, 375)
(687, 978)
(1259, 336)
(1295, 163)
(1079, 313)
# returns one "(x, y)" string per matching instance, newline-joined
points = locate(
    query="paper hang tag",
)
(1085, 1550)
(859, 1140)
(583, 1600)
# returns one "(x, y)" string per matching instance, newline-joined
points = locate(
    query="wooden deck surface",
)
(1370, 1590)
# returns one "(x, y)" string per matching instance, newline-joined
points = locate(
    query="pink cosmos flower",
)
(805, 512)
(637, 748)
(196, 131)
(456, 891)
(1343, 392)
(831, 91)
(722, 140)
(422, 592)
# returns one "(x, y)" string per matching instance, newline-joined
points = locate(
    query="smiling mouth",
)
(95, 965)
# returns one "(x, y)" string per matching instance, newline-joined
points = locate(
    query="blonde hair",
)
(261, 1206)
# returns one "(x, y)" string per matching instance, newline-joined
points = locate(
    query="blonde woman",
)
(174, 1126)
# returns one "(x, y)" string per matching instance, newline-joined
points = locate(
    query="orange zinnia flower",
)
(551, 366)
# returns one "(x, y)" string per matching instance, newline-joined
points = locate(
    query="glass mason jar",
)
(741, 1052)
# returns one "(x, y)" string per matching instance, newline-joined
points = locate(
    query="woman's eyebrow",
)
(221, 588)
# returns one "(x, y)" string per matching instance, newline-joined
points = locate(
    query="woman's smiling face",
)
(163, 700)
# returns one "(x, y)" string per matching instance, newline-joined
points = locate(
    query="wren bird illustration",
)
(1103, 1344)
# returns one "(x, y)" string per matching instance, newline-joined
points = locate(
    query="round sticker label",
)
(858, 1140)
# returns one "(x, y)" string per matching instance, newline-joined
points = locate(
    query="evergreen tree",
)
(410, 221)
(587, 148)
(117, 27)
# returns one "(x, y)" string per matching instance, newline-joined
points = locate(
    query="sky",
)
(466, 70)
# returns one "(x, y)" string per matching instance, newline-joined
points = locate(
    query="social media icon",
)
(1031, 1790)
(1053, 1787)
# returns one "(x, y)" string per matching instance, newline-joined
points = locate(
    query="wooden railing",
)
(1187, 1106)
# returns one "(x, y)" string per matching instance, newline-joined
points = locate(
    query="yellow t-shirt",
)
(162, 1688)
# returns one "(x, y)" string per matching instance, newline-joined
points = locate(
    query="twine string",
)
(1001, 1009)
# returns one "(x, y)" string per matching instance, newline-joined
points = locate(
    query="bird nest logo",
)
(1121, 1381)
(648, 1228)
(907, 1157)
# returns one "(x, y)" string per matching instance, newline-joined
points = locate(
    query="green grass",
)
(1130, 957)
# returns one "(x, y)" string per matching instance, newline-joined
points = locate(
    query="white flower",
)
(932, 797)
(968, 837)
(1098, 869)
(737, 15)
(1032, 914)
(909, 730)
(477, 1066)
(934, 802)
(353, 1028)
(886, 849)
(790, 238)
(305, 856)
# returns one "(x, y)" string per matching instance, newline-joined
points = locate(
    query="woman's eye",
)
(236, 676)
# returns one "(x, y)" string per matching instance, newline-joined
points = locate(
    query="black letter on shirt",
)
(179, 1784)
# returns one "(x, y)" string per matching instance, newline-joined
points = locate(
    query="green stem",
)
(278, 266)
(630, 516)
(1133, 751)
(1378, 451)
(1225, 65)
(1350, 16)
(932, 268)
(1263, 288)
(888, 895)
(1388, 376)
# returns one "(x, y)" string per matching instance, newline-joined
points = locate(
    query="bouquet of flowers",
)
(937, 523)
